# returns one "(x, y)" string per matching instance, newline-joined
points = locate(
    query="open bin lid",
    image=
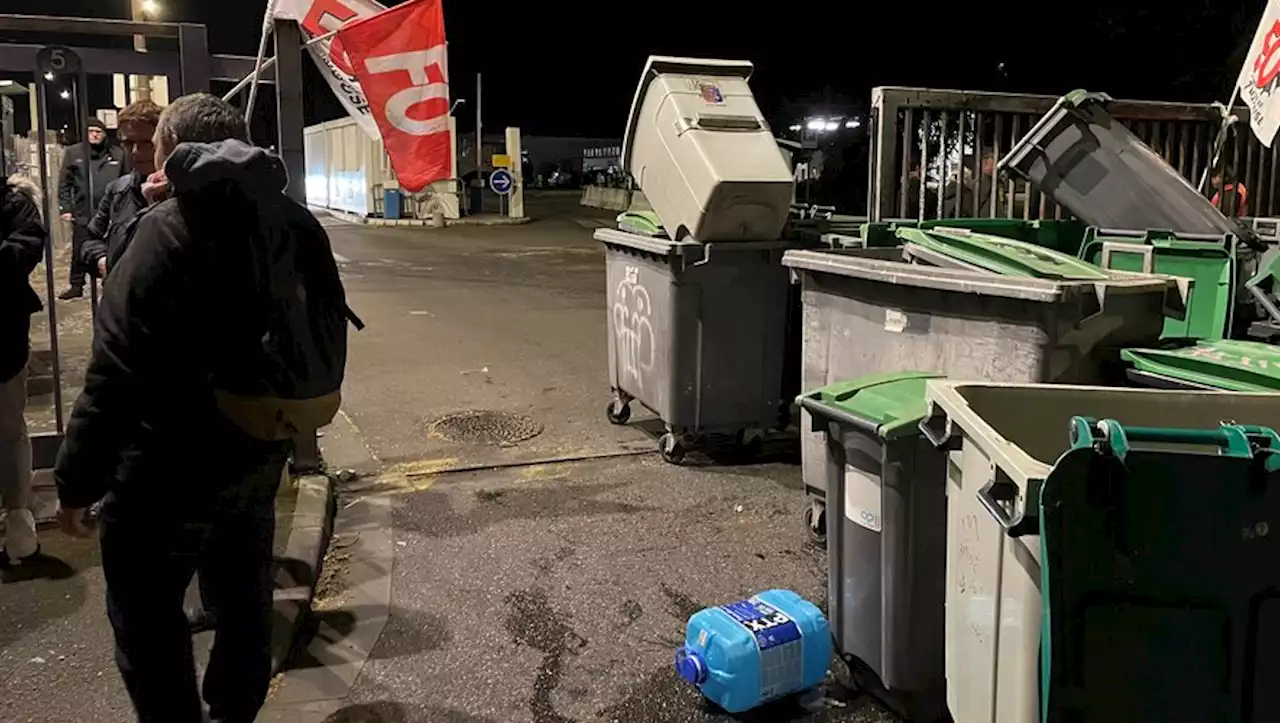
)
(1225, 365)
(889, 404)
(1000, 255)
(1090, 164)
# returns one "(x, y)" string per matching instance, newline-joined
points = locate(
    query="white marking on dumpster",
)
(634, 331)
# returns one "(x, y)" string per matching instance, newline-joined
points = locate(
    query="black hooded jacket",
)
(106, 164)
(21, 248)
(147, 421)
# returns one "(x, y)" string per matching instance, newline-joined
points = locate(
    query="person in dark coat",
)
(21, 247)
(183, 488)
(122, 199)
(105, 164)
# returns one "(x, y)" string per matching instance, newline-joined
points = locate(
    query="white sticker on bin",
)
(895, 321)
(862, 498)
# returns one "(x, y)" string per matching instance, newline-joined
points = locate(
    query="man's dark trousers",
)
(79, 233)
(149, 557)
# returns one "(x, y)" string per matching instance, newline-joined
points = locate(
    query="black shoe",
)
(201, 620)
(75, 292)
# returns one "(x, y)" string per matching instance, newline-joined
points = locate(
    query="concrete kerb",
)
(298, 571)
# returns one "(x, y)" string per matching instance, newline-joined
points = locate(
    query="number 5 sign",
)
(399, 55)
(57, 60)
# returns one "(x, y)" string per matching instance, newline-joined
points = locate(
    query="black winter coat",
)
(106, 164)
(21, 247)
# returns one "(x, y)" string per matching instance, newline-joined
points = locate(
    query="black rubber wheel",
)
(749, 449)
(617, 412)
(815, 521)
(672, 449)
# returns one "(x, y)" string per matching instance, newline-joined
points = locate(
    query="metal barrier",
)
(933, 151)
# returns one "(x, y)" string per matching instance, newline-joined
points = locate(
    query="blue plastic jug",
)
(755, 650)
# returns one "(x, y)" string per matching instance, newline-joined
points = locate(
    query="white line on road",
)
(340, 258)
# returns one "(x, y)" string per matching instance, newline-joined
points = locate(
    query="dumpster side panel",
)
(641, 296)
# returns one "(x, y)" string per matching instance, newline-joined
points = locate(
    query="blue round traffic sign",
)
(502, 181)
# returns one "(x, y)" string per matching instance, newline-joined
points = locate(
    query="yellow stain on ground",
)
(415, 476)
(544, 472)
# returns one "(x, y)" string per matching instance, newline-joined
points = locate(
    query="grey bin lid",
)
(1089, 163)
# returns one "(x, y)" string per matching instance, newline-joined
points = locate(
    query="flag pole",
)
(1228, 119)
(268, 23)
(270, 63)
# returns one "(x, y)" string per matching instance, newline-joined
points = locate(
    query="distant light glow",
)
(5, 83)
(48, 76)
(817, 124)
(855, 123)
(65, 95)
(831, 125)
(150, 7)
(796, 127)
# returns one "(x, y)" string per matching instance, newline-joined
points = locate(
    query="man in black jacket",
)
(21, 245)
(122, 199)
(185, 488)
(105, 163)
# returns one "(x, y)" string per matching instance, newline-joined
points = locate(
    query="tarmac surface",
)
(545, 580)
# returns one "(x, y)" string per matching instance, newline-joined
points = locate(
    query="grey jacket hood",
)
(227, 166)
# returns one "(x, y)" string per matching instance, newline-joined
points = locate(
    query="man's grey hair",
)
(201, 118)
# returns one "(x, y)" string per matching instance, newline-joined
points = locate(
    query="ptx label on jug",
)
(771, 626)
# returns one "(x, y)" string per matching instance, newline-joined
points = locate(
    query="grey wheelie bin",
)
(1003, 442)
(887, 548)
(697, 335)
(867, 312)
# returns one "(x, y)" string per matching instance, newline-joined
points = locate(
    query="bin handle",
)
(1002, 491)
(819, 410)
(935, 428)
(1146, 252)
(1230, 439)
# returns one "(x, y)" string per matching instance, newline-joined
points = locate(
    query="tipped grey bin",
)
(868, 311)
(697, 335)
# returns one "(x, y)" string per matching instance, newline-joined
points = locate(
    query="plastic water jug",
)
(756, 650)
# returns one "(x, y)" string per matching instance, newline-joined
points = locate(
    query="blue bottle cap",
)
(690, 666)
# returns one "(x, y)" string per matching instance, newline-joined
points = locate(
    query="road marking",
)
(340, 258)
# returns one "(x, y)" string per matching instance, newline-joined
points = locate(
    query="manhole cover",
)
(482, 427)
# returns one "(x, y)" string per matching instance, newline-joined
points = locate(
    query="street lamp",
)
(65, 95)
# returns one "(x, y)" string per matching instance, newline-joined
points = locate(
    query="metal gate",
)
(932, 150)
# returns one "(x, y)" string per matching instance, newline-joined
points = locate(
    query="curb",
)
(422, 223)
(299, 570)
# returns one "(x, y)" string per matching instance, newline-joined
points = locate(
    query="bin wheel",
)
(815, 521)
(749, 445)
(672, 448)
(618, 412)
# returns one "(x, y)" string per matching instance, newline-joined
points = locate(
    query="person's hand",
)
(65, 217)
(156, 188)
(75, 522)
(102, 267)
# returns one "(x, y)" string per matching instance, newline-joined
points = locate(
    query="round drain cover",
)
(485, 427)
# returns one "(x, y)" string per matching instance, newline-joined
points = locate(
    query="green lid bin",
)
(886, 544)
(1223, 365)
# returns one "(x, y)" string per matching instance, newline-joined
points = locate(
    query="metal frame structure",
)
(979, 122)
(190, 70)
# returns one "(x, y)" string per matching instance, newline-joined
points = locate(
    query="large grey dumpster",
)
(696, 334)
(865, 312)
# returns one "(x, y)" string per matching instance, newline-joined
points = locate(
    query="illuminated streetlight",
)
(65, 95)
(48, 76)
(831, 125)
(855, 123)
(817, 124)
(796, 127)
(151, 7)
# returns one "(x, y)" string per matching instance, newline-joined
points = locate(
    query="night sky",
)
(554, 69)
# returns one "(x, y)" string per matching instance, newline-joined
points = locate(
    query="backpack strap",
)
(351, 317)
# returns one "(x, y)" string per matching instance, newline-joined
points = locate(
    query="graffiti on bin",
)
(632, 328)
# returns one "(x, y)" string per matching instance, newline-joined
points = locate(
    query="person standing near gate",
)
(21, 248)
(221, 336)
(122, 200)
(105, 164)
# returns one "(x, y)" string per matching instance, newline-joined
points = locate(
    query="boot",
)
(75, 292)
(20, 542)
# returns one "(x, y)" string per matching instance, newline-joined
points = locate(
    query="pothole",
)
(485, 427)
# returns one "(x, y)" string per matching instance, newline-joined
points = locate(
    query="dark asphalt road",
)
(548, 593)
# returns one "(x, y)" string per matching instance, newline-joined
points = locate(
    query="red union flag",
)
(1259, 81)
(320, 17)
(400, 58)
